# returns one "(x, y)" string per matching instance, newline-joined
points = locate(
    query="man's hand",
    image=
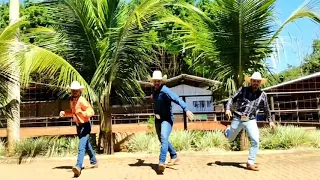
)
(190, 115)
(228, 114)
(62, 113)
(272, 125)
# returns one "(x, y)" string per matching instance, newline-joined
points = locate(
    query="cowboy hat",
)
(255, 76)
(157, 75)
(75, 85)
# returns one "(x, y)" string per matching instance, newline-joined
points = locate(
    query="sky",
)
(296, 38)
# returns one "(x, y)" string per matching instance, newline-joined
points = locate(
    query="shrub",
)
(151, 122)
(47, 146)
(32, 147)
(62, 146)
(2, 148)
(210, 139)
(286, 137)
(144, 142)
(182, 140)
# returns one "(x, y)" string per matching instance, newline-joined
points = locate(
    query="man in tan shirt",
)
(81, 111)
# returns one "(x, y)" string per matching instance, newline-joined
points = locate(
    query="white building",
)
(197, 92)
(197, 99)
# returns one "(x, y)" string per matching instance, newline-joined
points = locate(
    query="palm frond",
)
(124, 56)
(75, 25)
(8, 74)
(309, 9)
(10, 31)
(60, 72)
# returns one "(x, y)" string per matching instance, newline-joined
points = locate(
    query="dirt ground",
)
(278, 167)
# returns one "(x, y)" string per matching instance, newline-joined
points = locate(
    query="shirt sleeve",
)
(233, 98)
(86, 108)
(266, 108)
(68, 113)
(176, 99)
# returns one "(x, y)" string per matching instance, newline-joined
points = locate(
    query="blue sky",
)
(296, 38)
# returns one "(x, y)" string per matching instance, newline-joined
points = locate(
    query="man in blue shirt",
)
(164, 117)
(247, 101)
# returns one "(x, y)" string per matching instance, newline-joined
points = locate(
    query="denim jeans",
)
(253, 131)
(83, 131)
(163, 129)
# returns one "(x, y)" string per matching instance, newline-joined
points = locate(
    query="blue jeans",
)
(163, 129)
(253, 131)
(83, 131)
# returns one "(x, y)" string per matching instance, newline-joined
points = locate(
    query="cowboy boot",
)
(252, 167)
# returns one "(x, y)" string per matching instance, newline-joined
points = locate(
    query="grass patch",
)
(47, 146)
(2, 148)
(287, 137)
(283, 137)
(206, 140)
(180, 140)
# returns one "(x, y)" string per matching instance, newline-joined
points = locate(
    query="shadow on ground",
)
(63, 167)
(153, 166)
(234, 164)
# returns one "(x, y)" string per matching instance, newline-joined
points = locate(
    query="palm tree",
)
(13, 121)
(18, 61)
(235, 37)
(112, 37)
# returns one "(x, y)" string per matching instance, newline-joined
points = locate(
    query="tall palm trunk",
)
(106, 135)
(107, 132)
(13, 122)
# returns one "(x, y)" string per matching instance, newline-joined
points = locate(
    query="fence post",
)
(318, 107)
(185, 122)
(273, 116)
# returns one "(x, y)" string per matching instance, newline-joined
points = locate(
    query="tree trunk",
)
(13, 122)
(106, 132)
(244, 140)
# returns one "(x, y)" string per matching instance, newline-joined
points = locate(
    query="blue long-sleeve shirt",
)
(162, 103)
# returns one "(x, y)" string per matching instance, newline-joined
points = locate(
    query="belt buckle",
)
(244, 118)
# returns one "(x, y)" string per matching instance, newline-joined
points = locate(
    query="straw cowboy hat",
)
(75, 85)
(255, 76)
(157, 75)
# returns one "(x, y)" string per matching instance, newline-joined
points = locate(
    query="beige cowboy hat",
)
(255, 76)
(157, 75)
(75, 85)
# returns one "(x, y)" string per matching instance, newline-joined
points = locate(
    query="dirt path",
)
(277, 167)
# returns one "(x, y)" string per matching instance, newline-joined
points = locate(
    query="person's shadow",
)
(234, 164)
(152, 165)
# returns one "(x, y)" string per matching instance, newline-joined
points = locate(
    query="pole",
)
(185, 123)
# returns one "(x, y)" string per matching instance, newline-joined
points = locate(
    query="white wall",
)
(194, 104)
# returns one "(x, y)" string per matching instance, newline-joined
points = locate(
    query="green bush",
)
(286, 137)
(32, 147)
(210, 139)
(144, 142)
(151, 122)
(283, 137)
(182, 140)
(47, 146)
(2, 148)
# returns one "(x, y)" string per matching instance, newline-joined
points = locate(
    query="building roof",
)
(186, 79)
(293, 81)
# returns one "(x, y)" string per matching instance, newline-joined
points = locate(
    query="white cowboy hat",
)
(255, 76)
(75, 85)
(157, 75)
